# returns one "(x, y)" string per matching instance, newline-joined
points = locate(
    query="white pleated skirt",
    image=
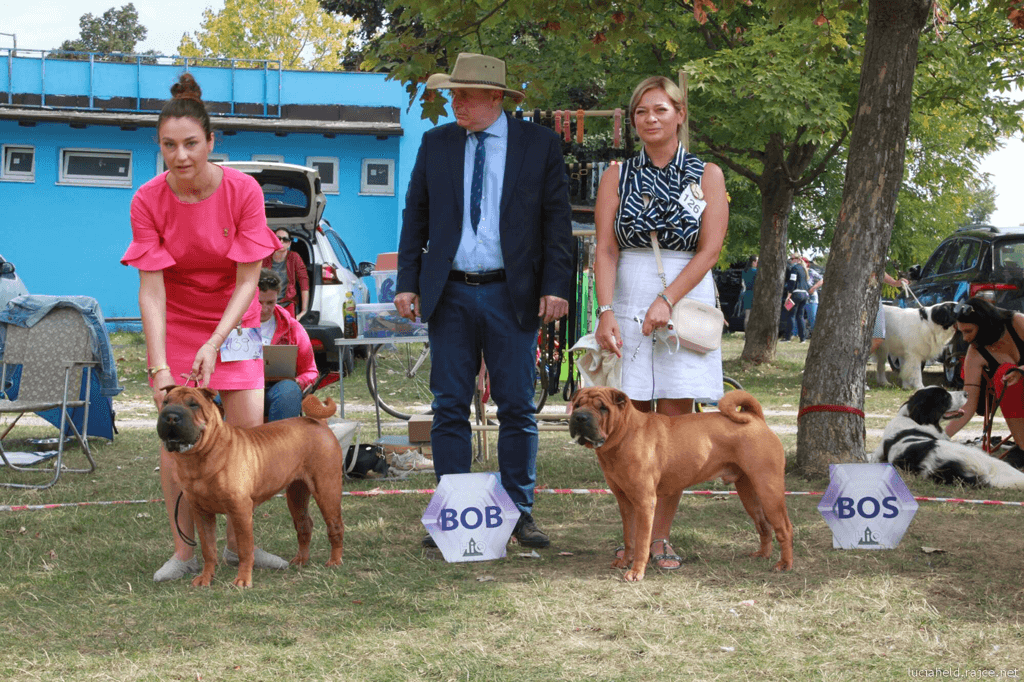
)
(650, 368)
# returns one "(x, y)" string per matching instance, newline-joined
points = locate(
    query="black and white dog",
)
(915, 441)
(914, 336)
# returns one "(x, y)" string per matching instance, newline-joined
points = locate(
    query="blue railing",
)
(63, 73)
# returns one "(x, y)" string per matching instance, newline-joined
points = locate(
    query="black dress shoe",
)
(428, 543)
(528, 534)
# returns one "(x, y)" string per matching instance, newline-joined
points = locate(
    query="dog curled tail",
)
(312, 407)
(740, 407)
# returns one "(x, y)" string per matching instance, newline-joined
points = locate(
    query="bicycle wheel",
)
(729, 384)
(398, 377)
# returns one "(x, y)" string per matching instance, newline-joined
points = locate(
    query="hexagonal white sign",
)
(867, 506)
(470, 517)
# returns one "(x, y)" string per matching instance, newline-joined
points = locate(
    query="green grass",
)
(79, 603)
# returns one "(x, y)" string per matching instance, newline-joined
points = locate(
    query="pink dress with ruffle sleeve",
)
(198, 246)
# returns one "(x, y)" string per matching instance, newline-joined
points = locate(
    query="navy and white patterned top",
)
(677, 229)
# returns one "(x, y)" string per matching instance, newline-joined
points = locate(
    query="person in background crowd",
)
(290, 269)
(816, 280)
(749, 276)
(796, 298)
(283, 399)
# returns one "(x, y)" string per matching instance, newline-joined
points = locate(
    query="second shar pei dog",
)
(223, 469)
(645, 456)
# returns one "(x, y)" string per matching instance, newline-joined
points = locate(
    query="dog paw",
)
(333, 562)
(782, 566)
(633, 576)
(242, 582)
(202, 580)
(621, 562)
(299, 560)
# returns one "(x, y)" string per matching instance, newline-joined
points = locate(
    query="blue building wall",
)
(67, 239)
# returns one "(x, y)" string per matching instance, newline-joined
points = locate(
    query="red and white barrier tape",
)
(376, 492)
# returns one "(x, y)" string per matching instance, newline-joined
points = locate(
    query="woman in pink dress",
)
(199, 235)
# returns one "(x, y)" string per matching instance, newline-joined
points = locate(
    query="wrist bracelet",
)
(153, 371)
(663, 297)
(602, 309)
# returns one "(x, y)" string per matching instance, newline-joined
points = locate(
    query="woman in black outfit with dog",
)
(995, 353)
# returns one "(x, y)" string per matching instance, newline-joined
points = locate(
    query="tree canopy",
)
(116, 31)
(299, 33)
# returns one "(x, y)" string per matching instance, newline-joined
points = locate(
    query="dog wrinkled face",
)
(184, 416)
(590, 410)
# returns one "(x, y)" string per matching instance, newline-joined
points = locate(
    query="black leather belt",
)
(476, 277)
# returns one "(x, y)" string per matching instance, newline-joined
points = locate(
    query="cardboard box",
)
(419, 428)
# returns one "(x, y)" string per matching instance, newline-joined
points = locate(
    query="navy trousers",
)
(471, 320)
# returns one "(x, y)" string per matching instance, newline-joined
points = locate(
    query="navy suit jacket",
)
(535, 225)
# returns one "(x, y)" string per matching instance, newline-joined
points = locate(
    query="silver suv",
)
(293, 201)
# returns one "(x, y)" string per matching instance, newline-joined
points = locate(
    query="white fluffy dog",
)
(915, 336)
(914, 441)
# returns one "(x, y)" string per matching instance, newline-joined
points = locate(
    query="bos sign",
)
(867, 506)
(470, 517)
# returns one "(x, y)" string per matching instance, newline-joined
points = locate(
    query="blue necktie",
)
(476, 189)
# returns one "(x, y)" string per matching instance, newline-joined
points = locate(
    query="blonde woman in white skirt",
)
(667, 190)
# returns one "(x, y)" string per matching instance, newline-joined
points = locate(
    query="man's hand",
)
(552, 308)
(408, 305)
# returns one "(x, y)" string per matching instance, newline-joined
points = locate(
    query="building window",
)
(95, 167)
(19, 163)
(160, 167)
(378, 177)
(272, 158)
(328, 168)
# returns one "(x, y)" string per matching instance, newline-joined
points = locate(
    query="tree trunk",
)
(835, 369)
(762, 331)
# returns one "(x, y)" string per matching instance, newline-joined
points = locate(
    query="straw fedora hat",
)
(477, 71)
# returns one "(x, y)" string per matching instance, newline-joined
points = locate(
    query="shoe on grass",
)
(260, 559)
(175, 568)
(528, 534)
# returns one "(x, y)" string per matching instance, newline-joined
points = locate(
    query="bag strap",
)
(661, 268)
(657, 258)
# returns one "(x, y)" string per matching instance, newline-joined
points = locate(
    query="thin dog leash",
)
(184, 538)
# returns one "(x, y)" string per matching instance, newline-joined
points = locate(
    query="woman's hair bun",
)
(187, 88)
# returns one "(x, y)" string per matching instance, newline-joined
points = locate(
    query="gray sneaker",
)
(260, 559)
(175, 568)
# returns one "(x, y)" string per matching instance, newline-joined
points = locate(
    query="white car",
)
(11, 285)
(293, 201)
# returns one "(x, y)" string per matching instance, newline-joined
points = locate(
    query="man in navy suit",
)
(484, 257)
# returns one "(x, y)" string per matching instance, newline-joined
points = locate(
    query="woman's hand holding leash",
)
(608, 335)
(658, 315)
(202, 366)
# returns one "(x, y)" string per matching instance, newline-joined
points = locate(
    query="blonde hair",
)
(657, 83)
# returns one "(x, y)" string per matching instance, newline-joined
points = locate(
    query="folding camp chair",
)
(52, 354)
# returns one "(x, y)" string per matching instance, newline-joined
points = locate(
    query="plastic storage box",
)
(381, 320)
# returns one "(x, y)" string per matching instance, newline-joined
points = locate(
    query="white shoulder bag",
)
(696, 325)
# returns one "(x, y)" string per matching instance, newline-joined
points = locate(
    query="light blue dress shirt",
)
(480, 251)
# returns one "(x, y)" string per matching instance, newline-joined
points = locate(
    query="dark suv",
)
(976, 260)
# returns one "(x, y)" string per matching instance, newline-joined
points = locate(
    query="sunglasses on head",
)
(962, 310)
